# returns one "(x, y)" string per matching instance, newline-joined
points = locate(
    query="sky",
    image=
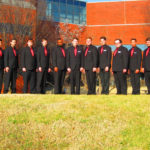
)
(102, 0)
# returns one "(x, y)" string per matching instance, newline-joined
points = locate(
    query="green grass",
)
(50, 122)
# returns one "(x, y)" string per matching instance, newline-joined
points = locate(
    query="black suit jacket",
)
(90, 60)
(42, 60)
(146, 60)
(58, 60)
(10, 60)
(74, 62)
(105, 57)
(135, 60)
(121, 60)
(2, 59)
(27, 60)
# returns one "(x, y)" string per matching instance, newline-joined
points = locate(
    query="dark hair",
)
(75, 38)
(148, 39)
(118, 40)
(134, 39)
(89, 38)
(0, 40)
(103, 37)
(13, 40)
(30, 40)
(59, 39)
(44, 39)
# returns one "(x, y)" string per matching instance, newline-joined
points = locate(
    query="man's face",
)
(13, 43)
(148, 43)
(88, 42)
(30, 43)
(133, 43)
(59, 42)
(102, 42)
(44, 43)
(75, 42)
(117, 43)
(0, 43)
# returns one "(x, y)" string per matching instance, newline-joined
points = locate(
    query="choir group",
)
(36, 63)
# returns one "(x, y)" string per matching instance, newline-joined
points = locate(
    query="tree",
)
(21, 20)
(67, 31)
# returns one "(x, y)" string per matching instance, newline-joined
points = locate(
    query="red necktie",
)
(132, 51)
(147, 52)
(75, 51)
(1, 53)
(102, 49)
(45, 51)
(86, 51)
(115, 52)
(14, 51)
(32, 52)
(63, 52)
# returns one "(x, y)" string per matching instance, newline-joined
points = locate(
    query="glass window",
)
(70, 11)
(76, 12)
(63, 10)
(55, 11)
(82, 15)
(49, 9)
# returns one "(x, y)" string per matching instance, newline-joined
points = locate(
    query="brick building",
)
(123, 19)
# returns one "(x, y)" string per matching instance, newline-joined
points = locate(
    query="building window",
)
(70, 11)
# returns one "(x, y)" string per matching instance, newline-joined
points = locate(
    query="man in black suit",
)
(89, 65)
(105, 55)
(146, 64)
(74, 58)
(11, 66)
(120, 67)
(59, 64)
(135, 59)
(43, 65)
(28, 65)
(1, 65)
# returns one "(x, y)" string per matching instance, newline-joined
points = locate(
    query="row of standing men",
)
(35, 64)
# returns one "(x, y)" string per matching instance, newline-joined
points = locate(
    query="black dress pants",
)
(135, 82)
(105, 79)
(75, 78)
(41, 81)
(91, 81)
(1, 79)
(147, 80)
(10, 79)
(59, 78)
(121, 82)
(29, 77)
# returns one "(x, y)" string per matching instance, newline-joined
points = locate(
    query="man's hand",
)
(129, 71)
(7, 69)
(81, 69)
(24, 69)
(106, 69)
(69, 70)
(40, 69)
(56, 69)
(142, 70)
(137, 71)
(49, 70)
(94, 69)
(124, 70)
(98, 70)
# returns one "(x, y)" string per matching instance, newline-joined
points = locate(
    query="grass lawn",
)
(50, 122)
